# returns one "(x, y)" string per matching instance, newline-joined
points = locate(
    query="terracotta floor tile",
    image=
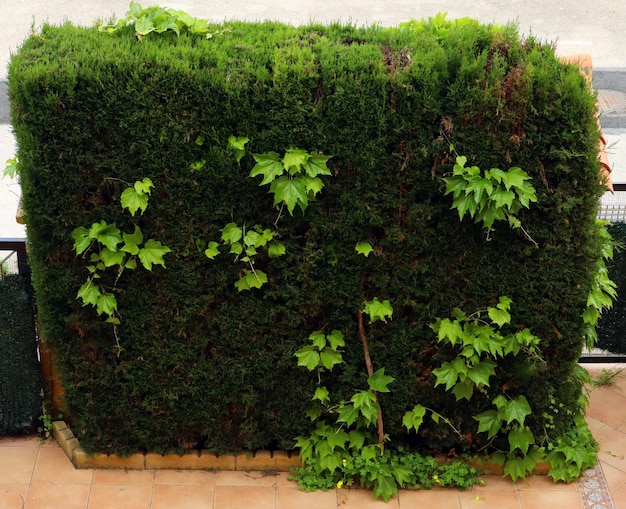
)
(437, 498)
(237, 478)
(55, 496)
(363, 499)
(619, 498)
(598, 428)
(54, 466)
(184, 477)
(614, 478)
(294, 498)
(182, 497)
(118, 476)
(486, 499)
(613, 450)
(244, 497)
(539, 499)
(12, 496)
(282, 480)
(608, 406)
(120, 496)
(17, 464)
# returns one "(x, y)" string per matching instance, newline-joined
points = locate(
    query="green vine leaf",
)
(294, 159)
(136, 197)
(330, 357)
(231, 233)
(516, 410)
(152, 253)
(269, 165)
(89, 293)
(414, 418)
(107, 234)
(308, 357)
(82, 240)
(490, 422)
(321, 394)
(316, 165)
(107, 304)
(251, 280)
(238, 146)
(212, 250)
(132, 241)
(291, 192)
(377, 310)
(363, 248)
(521, 437)
(379, 381)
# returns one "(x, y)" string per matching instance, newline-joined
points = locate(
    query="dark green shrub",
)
(204, 363)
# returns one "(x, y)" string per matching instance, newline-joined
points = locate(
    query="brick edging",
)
(267, 461)
(274, 461)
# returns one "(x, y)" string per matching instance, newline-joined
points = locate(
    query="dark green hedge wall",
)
(20, 377)
(202, 362)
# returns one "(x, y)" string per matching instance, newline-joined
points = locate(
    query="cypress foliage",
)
(204, 363)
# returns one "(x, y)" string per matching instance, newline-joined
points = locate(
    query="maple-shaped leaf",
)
(291, 192)
(308, 357)
(89, 293)
(463, 390)
(276, 249)
(377, 310)
(152, 253)
(490, 422)
(107, 234)
(294, 159)
(521, 437)
(132, 241)
(107, 304)
(238, 146)
(330, 357)
(231, 233)
(379, 381)
(135, 198)
(316, 165)
(414, 418)
(111, 258)
(446, 374)
(517, 409)
(82, 240)
(269, 165)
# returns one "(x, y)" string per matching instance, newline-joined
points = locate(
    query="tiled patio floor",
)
(37, 476)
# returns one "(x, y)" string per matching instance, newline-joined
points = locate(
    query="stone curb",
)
(260, 461)
(268, 461)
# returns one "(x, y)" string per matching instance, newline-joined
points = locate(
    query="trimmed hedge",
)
(204, 364)
(20, 377)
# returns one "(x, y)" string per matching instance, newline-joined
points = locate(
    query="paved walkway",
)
(39, 476)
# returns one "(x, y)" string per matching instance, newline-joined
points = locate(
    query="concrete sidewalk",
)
(575, 26)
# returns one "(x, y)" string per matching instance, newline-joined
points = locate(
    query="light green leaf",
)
(316, 165)
(463, 390)
(515, 177)
(312, 185)
(89, 293)
(308, 357)
(379, 381)
(335, 339)
(238, 146)
(348, 414)
(132, 241)
(12, 168)
(446, 374)
(451, 331)
(330, 357)
(294, 159)
(152, 253)
(275, 249)
(499, 316)
(357, 439)
(365, 402)
(516, 410)
(490, 422)
(269, 165)
(231, 233)
(144, 25)
(414, 418)
(133, 200)
(111, 258)
(131, 264)
(521, 437)
(377, 310)
(107, 234)
(363, 248)
(212, 250)
(321, 394)
(143, 186)
(318, 339)
(81, 239)
(291, 192)
(251, 280)
(107, 304)
(482, 371)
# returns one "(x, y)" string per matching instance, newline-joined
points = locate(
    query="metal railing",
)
(13, 258)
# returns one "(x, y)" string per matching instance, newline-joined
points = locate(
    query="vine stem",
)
(370, 372)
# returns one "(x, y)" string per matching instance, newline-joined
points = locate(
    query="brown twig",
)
(370, 372)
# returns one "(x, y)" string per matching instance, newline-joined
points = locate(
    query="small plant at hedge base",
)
(606, 378)
(45, 419)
